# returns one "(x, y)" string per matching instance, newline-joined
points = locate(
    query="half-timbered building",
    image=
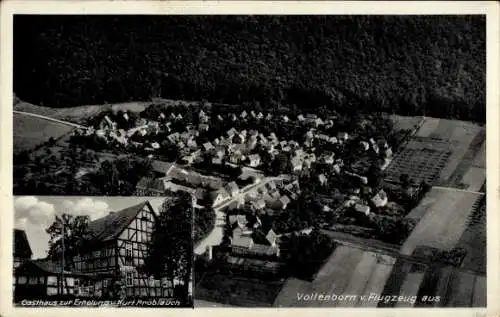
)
(120, 248)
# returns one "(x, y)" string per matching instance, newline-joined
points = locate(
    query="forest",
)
(409, 65)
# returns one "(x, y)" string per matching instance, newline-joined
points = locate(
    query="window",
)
(33, 280)
(128, 253)
(128, 278)
(52, 280)
(22, 279)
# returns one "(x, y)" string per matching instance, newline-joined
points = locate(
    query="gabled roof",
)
(271, 236)
(109, 227)
(285, 200)
(22, 247)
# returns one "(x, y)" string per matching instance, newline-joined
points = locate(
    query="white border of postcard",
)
(489, 8)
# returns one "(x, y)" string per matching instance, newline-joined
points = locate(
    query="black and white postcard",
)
(251, 155)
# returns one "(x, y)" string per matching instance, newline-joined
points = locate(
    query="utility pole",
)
(62, 266)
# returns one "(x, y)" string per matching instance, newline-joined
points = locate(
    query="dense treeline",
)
(411, 65)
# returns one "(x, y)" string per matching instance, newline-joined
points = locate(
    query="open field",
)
(332, 278)
(421, 160)
(443, 152)
(353, 270)
(73, 114)
(444, 220)
(30, 132)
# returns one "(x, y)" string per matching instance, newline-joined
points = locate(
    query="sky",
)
(34, 214)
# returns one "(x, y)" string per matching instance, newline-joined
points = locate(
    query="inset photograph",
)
(102, 251)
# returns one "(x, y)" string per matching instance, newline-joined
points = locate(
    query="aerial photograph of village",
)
(318, 161)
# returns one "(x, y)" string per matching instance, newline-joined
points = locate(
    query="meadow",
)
(29, 132)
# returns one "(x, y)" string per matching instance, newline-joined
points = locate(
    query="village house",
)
(260, 116)
(365, 146)
(285, 119)
(239, 220)
(243, 114)
(220, 118)
(259, 204)
(217, 160)
(148, 186)
(323, 137)
(269, 117)
(284, 201)
(191, 143)
(300, 118)
(236, 157)
(317, 122)
(188, 159)
(322, 179)
(243, 245)
(254, 160)
(362, 209)
(203, 127)
(333, 140)
(207, 146)
(107, 124)
(234, 117)
(271, 237)
(251, 143)
(388, 153)
(218, 196)
(232, 188)
(380, 199)
(328, 158)
(296, 163)
(231, 132)
(344, 136)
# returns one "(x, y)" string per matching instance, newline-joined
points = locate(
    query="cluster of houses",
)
(242, 242)
(377, 201)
